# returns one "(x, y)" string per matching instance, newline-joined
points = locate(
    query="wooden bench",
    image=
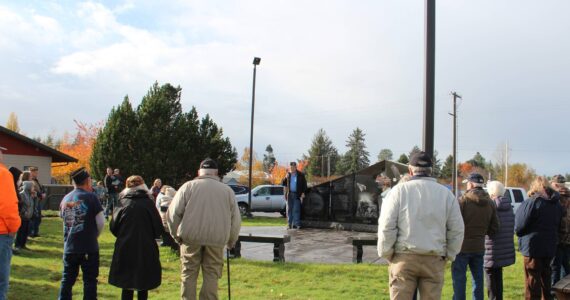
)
(562, 288)
(357, 243)
(278, 242)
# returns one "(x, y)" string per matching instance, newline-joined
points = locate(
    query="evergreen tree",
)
(322, 152)
(159, 140)
(268, 159)
(447, 169)
(157, 115)
(115, 144)
(356, 158)
(414, 150)
(403, 159)
(385, 154)
(436, 169)
(478, 161)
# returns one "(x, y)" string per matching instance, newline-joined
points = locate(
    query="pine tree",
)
(403, 159)
(321, 153)
(385, 154)
(159, 140)
(115, 144)
(447, 169)
(356, 158)
(478, 161)
(268, 159)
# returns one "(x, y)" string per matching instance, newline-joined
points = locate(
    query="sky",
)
(328, 64)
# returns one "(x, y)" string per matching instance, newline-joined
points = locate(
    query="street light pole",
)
(454, 176)
(256, 61)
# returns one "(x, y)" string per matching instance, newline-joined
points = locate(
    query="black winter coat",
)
(136, 224)
(537, 223)
(500, 248)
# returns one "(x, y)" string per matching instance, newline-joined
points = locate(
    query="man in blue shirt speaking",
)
(295, 186)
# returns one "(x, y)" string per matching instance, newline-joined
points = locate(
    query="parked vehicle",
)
(239, 189)
(516, 195)
(264, 198)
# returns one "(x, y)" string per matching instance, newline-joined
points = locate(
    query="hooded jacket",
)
(500, 248)
(480, 218)
(9, 216)
(26, 204)
(537, 222)
(204, 212)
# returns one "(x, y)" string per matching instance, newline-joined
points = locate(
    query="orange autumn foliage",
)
(277, 173)
(78, 146)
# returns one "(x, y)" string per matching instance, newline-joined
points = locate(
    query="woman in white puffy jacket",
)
(163, 202)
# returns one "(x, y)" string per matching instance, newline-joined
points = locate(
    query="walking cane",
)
(229, 289)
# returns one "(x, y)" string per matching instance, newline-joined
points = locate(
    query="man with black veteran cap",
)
(83, 221)
(419, 229)
(203, 217)
(479, 214)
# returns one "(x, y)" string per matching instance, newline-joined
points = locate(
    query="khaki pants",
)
(409, 272)
(211, 259)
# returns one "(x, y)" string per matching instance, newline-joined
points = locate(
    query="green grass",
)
(36, 274)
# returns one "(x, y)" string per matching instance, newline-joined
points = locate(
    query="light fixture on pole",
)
(256, 61)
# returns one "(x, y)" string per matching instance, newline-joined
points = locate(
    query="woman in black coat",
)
(136, 224)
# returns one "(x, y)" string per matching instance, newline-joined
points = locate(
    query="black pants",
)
(128, 295)
(494, 280)
(22, 236)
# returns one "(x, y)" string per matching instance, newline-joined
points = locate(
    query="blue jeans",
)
(5, 258)
(458, 275)
(560, 263)
(111, 203)
(89, 264)
(294, 209)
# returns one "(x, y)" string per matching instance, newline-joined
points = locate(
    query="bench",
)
(357, 243)
(278, 242)
(562, 288)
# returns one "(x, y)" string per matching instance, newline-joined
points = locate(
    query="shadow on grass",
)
(27, 282)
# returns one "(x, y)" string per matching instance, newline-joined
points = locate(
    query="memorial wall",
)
(351, 202)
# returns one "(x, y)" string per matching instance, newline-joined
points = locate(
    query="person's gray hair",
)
(495, 189)
(426, 171)
(207, 172)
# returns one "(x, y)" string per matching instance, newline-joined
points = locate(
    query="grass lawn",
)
(36, 274)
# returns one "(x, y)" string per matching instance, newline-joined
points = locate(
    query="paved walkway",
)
(308, 245)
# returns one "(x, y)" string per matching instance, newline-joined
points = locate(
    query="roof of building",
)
(56, 155)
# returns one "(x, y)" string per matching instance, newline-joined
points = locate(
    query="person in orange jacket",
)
(9, 223)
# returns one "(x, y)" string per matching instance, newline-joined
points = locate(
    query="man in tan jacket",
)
(203, 217)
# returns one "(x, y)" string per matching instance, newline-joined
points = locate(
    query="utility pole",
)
(506, 163)
(429, 84)
(454, 114)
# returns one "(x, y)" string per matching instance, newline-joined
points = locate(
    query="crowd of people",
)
(422, 225)
(199, 220)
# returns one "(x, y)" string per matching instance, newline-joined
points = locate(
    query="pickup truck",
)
(516, 195)
(264, 198)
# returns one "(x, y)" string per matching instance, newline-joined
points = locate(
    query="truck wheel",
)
(242, 208)
(283, 213)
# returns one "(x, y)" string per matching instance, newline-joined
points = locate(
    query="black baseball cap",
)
(421, 159)
(558, 179)
(475, 178)
(78, 176)
(208, 163)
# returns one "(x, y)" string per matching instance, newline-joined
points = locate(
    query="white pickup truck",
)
(516, 195)
(264, 198)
